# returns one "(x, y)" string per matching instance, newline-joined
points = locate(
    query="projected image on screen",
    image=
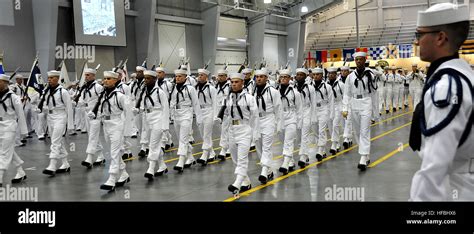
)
(98, 17)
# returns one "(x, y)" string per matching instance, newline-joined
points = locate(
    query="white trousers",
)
(113, 134)
(7, 151)
(57, 123)
(206, 128)
(94, 146)
(361, 123)
(183, 128)
(305, 132)
(263, 143)
(240, 137)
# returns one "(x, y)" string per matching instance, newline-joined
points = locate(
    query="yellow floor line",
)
(280, 178)
(387, 156)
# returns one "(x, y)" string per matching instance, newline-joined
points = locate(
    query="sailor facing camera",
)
(442, 122)
(109, 110)
(242, 110)
(56, 102)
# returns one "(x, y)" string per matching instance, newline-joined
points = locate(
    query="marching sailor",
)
(56, 102)
(223, 90)
(110, 110)
(208, 101)
(442, 128)
(347, 142)
(11, 118)
(249, 83)
(130, 129)
(321, 108)
(89, 95)
(337, 89)
(291, 120)
(166, 86)
(358, 94)
(137, 89)
(155, 107)
(243, 116)
(308, 96)
(184, 103)
(269, 112)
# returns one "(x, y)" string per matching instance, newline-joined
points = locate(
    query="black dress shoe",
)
(149, 176)
(270, 176)
(333, 151)
(125, 156)
(142, 153)
(179, 169)
(202, 162)
(122, 183)
(263, 179)
(245, 188)
(172, 145)
(83, 132)
(86, 164)
(399, 108)
(134, 136)
(233, 189)
(387, 111)
(301, 164)
(73, 134)
(29, 136)
(160, 173)
(18, 180)
(210, 159)
(99, 163)
(227, 155)
(406, 106)
(283, 170)
(23, 141)
(189, 165)
(1, 185)
(40, 138)
(192, 142)
(292, 168)
(252, 148)
(345, 145)
(167, 147)
(221, 157)
(107, 187)
(372, 121)
(63, 170)
(48, 172)
(394, 109)
(362, 167)
(319, 157)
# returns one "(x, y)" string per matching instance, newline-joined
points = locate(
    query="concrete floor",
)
(388, 181)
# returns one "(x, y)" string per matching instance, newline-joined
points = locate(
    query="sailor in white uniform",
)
(322, 110)
(335, 113)
(207, 96)
(11, 118)
(292, 105)
(184, 103)
(442, 128)
(358, 95)
(223, 90)
(270, 113)
(416, 81)
(167, 87)
(243, 111)
(110, 110)
(57, 103)
(155, 108)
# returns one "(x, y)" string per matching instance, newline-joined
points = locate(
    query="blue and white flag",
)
(405, 50)
(379, 52)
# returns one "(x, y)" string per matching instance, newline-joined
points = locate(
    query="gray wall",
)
(182, 8)
(194, 46)
(18, 41)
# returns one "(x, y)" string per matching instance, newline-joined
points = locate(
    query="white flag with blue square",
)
(405, 50)
(378, 52)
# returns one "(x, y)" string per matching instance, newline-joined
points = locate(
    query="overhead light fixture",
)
(267, 1)
(304, 9)
(221, 39)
